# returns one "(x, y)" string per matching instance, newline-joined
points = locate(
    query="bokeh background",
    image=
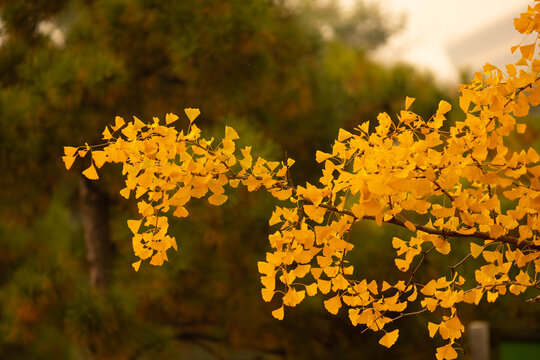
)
(287, 75)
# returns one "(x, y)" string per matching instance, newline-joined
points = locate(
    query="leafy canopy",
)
(446, 184)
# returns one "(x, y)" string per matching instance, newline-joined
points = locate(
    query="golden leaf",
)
(446, 352)
(91, 173)
(333, 304)
(217, 199)
(134, 225)
(390, 338)
(267, 294)
(70, 150)
(192, 114)
(68, 161)
(476, 250)
(170, 118)
(136, 265)
(408, 102)
(278, 313)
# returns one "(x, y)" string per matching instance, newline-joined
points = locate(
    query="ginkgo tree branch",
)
(401, 167)
(522, 244)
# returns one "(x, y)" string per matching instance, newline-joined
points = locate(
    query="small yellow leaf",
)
(136, 265)
(432, 328)
(158, 258)
(68, 161)
(134, 225)
(192, 114)
(324, 285)
(91, 173)
(446, 352)
(527, 51)
(413, 296)
(106, 133)
(118, 123)
(230, 133)
(409, 225)
(278, 313)
(408, 102)
(267, 294)
(321, 156)
(70, 150)
(475, 250)
(125, 192)
(520, 128)
(170, 118)
(333, 304)
(266, 268)
(99, 157)
(181, 212)
(402, 264)
(311, 290)
(444, 107)
(217, 199)
(389, 339)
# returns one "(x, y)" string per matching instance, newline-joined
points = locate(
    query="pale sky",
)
(433, 27)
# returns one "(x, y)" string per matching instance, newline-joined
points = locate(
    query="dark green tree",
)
(261, 65)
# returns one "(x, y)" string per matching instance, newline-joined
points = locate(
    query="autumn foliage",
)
(446, 183)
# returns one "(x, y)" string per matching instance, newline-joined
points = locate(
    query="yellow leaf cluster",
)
(445, 183)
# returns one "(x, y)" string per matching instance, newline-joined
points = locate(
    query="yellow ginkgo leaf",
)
(99, 157)
(446, 352)
(267, 294)
(91, 173)
(527, 51)
(118, 123)
(217, 199)
(134, 225)
(181, 212)
(475, 250)
(70, 150)
(333, 304)
(68, 161)
(230, 133)
(106, 133)
(278, 313)
(136, 265)
(408, 102)
(125, 192)
(409, 225)
(444, 107)
(432, 328)
(192, 114)
(170, 118)
(390, 338)
(311, 290)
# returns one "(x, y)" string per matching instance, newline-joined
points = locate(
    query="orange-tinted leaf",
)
(170, 118)
(136, 265)
(68, 161)
(192, 114)
(390, 338)
(527, 51)
(475, 250)
(333, 304)
(408, 102)
(134, 225)
(70, 150)
(279, 313)
(91, 173)
(217, 199)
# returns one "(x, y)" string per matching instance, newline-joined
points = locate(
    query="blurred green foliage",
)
(263, 66)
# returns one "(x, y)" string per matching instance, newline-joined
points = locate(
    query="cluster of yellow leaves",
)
(444, 183)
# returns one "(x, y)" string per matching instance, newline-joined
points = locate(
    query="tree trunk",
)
(94, 203)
